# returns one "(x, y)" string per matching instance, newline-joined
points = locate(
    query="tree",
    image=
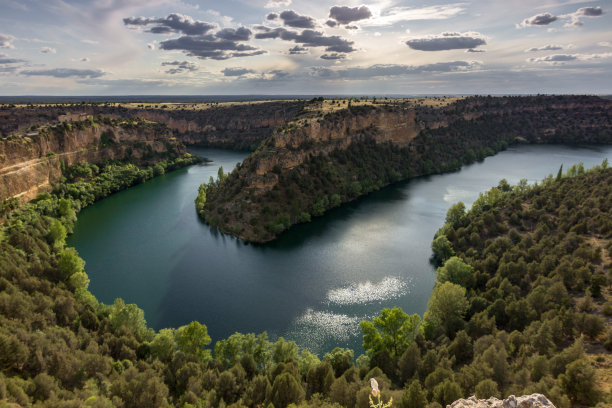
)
(446, 307)
(414, 396)
(579, 383)
(130, 317)
(192, 339)
(487, 388)
(286, 390)
(163, 345)
(442, 249)
(57, 234)
(409, 362)
(340, 359)
(455, 215)
(393, 331)
(70, 262)
(456, 271)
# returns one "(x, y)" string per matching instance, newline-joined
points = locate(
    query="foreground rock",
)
(526, 401)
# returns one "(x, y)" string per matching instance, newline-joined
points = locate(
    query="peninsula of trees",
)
(315, 163)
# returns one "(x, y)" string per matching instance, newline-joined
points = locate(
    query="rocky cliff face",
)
(30, 163)
(526, 401)
(308, 167)
(238, 126)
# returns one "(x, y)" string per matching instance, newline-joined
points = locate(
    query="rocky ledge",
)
(526, 401)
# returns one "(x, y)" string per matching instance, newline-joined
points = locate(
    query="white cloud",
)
(6, 41)
(48, 50)
(277, 3)
(397, 14)
(557, 59)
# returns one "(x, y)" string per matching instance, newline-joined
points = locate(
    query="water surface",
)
(312, 285)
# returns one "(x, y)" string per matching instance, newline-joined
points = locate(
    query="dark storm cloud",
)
(447, 41)
(209, 46)
(539, 20)
(292, 19)
(174, 23)
(272, 16)
(179, 67)
(307, 38)
(297, 50)
(331, 23)
(235, 72)
(393, 70)
(238, 34)
(333, 56)
(345, 15)
(65, 73)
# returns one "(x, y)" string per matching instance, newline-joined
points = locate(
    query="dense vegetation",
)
(517, 308)
(475, 128)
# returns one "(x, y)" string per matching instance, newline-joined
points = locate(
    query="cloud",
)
(179, 67)
(6, 41)
(333, 56)
(292, 19)
(331, 23)
(474, 50)
(605, 44)
(272, 16)
(209, 47)
(582, 12)
(563, 58)
(65, 73)
(151, 45)
(297, 50)
(307, 38)
(539, 20)
(48, 50)
(5, 59)
(393, 70)
(236, 72)
(85, 59)
(398, 14)
(174, 23)
(547, 47)
(238, 34)
(277, 3)
(447, 41)
(345, 15)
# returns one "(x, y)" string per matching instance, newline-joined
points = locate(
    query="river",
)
(312, 285)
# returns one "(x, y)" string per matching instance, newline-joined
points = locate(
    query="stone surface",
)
(526, 401)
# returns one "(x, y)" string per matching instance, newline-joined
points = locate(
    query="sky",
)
(265, 47)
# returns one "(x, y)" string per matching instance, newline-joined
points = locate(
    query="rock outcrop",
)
(308, 167)
(526, 401)
(30, 163)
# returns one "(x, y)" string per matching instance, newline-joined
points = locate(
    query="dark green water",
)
(316, 282)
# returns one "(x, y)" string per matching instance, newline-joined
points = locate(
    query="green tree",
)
(130, 317)
(163, 345)
(579, 383)
(455, 215)
(286, 390)
(446, 307)
(414, 396)
(393, 331)
(57, 234)
(442, 249)
(192, 339)
(486, 389)
(455, 270)
(70, 262)
(340, 359)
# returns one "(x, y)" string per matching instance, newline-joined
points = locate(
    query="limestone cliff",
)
(30, 162)
(526, 401)
(308, 167)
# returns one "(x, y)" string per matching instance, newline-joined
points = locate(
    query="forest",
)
(522, 304)
(321, 175)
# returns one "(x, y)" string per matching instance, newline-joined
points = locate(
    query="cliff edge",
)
(526, 401)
